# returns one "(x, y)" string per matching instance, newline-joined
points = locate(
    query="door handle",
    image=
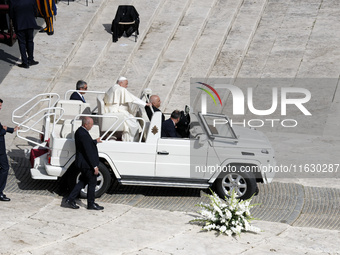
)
(162, 153)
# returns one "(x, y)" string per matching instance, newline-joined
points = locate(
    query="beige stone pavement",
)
(32, 224)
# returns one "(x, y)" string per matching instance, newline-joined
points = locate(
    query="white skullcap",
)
(122, 78)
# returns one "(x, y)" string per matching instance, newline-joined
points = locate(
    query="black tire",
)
(242, 182)
(104, 180)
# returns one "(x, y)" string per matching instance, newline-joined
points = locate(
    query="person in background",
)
(78, 95)
(4, 167)
(47, 10)
(23, 15)
(169, 126)
(156, 103)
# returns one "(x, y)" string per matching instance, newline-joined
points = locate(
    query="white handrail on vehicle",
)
(125, 119)
(42, 143)
(87, 92)
(41, 118)
(90, 92)
(40, 114)
(49, 97)
(103, 116)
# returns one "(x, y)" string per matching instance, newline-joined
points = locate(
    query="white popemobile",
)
(214, 155)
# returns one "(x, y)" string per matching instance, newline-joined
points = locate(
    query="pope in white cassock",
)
(119, 99)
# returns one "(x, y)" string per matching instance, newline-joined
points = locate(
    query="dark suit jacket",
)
(86, 150)
(23, 14)
(2, 138)
(149, 112)
(168, 129)
(75, 96)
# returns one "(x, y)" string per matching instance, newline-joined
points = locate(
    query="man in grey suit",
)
(4, 167)
(87, 161)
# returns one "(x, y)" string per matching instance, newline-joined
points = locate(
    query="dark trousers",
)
(26, 45)
(87, 177)
(3, 172)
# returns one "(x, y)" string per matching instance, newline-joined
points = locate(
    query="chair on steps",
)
(126, 20)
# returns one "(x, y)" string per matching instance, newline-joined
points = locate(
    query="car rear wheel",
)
(103, 181)
(243, 183)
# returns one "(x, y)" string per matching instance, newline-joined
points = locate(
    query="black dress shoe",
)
(50, 33)
(95, 206)
(70, 204)
(23, 65)
(33, 62)
(4, 198)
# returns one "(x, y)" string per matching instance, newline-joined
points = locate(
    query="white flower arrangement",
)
(230, 216)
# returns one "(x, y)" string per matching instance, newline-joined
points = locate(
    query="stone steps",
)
(139, 65)
(239, 39)
(180, 48)
(96, 47)
(230, 52)
(93, 47)
(281, 48)
(205, 53)
(121, 53)
(235, 48)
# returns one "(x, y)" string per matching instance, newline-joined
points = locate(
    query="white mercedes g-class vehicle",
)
(214, 155)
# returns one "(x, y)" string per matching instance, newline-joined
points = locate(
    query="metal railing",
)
(27, 121)
(44, 114)
(110, 129)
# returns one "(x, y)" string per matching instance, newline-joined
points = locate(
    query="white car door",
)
(131, 158)
(177, 157)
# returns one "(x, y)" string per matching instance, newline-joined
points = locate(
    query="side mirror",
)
(187, 109)
(202, 138)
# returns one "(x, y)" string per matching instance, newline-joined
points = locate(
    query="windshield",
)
(218, 125)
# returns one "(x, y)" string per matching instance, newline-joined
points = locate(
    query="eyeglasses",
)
(85, 88)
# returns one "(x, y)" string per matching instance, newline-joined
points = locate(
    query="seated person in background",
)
(119, 99)
(156, 103)
(81, 86)
(169, 126)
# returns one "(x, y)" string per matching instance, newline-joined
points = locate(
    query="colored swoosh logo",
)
(209, 93)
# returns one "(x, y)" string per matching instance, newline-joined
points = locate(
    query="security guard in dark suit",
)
(169, 126)
(87, 160)
(23, 14)
(156, 103)
(4, 167)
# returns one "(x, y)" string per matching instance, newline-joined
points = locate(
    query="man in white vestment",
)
(119, 99)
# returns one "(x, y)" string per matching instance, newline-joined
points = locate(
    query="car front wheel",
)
(243, 183)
